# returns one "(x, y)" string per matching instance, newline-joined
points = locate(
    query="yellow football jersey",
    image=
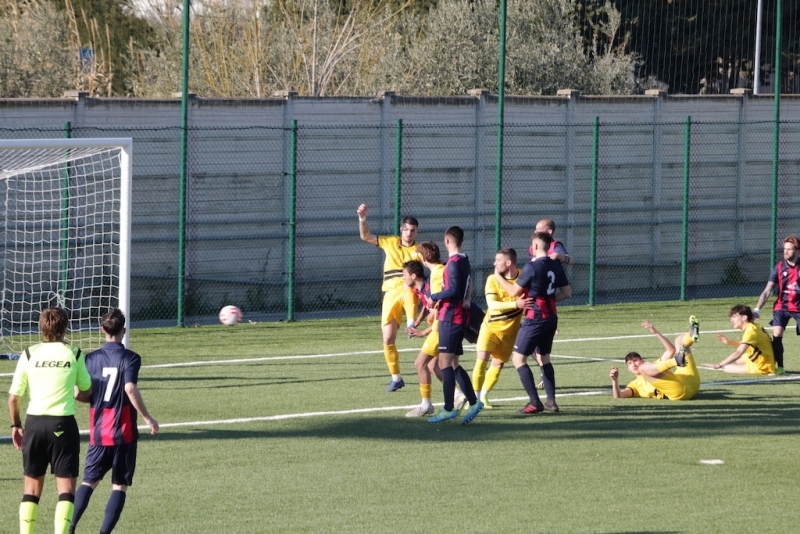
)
(437, 278)
(759, 349)
(506, 318)
(437, 285)
(642, 388)
(395, 256)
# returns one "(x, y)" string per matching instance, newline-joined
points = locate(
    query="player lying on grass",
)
(753, 354)
(674, 376)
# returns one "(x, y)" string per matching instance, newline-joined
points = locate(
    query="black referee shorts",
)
(54, 441)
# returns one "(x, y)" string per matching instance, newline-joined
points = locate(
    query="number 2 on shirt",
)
(552, 276)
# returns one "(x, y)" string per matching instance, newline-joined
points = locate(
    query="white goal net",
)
(65, 233)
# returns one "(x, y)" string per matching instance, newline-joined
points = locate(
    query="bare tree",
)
(249, 48)
(328, 49)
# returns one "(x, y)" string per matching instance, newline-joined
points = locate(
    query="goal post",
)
(65, 236)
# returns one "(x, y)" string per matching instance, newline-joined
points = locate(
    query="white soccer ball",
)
(230, 315)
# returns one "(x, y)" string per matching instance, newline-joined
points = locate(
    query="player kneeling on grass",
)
(674, 376)
(753, 354)
(113, 435)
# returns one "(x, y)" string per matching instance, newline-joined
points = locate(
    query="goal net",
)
(65, 236)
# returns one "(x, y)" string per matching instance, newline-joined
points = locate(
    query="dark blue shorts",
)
(781, 318)
(536, 336)
(119, 459)
(451, 338)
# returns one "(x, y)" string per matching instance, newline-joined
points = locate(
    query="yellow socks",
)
(491, 378)
(392, 358)
(479, 374)
(425, 391)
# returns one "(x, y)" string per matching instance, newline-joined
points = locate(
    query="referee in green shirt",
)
(49, 373)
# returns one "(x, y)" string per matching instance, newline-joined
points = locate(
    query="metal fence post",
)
(290, 267)
(501, 92)
(184, 165)
(776, 136)
(398, 172)
(687, 146)
(64, 259)
(593, 216)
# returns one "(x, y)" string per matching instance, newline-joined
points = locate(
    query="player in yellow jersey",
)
(753, 354)
(674, 376)
(499, 327)
(397, 297)
(49, 373)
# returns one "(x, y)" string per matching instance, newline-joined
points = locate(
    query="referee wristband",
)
(756, 310)
(16, 426)
(362, 219)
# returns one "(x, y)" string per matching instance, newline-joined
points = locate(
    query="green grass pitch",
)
(279, 427)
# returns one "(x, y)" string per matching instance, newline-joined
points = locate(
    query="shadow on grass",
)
(239, 381)
(639, 418)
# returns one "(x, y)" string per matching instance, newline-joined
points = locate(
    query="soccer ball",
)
(230, 315)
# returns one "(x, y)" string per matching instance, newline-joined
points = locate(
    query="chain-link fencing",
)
(647, 211)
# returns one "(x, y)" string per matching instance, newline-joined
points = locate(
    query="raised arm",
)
(616, 392)
(363, 227)
(669, 348)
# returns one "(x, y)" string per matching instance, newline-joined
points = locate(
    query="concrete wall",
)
(239, 194)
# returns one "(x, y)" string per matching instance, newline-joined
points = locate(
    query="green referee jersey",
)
(50, 372)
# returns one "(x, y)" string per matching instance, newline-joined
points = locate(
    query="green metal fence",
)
(648, 211)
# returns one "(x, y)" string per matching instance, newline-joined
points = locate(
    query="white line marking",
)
(368, 352)
(284, 417)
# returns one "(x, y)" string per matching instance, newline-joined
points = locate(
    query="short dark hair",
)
(429, 252)
(113, 322)
(510, 253)
(741, 309)
(410, 220)
(456, 233)
(633, 356)
(415, 267)
(53, 323)
(544, 237)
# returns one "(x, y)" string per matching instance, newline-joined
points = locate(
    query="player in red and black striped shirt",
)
(453, 319)
(113, 435)
(785, 276)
